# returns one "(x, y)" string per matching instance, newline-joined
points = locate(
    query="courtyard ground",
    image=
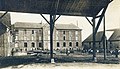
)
(45, 59)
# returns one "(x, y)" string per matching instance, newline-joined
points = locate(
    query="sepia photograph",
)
(59, 34)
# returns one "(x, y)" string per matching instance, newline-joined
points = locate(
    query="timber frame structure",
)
(86, 8)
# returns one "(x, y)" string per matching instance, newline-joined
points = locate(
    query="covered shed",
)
(86, 8)
(88, 42)
(114, 40)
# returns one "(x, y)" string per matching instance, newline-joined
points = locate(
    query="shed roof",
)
(99, 37)
(4, 23)
(60, 7)
(116, 35)
(6, 20)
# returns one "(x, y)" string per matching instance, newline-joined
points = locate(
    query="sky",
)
(112, 19)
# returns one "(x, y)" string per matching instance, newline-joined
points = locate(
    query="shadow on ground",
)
(18, 60)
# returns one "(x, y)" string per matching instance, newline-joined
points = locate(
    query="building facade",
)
(35, 36)
(27, 36)
(65, 37)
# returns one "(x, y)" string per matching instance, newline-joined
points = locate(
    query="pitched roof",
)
(116, 35)
(67, 26)
(113, 36)
(27, 25)
(39, 25)
(99, 37)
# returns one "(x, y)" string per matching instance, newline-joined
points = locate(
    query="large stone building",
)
(27, 36)
(65, 36)
(36, 36)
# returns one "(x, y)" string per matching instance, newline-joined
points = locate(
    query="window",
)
(16, 37)
(40, 38)
(70, 33)
(63, 32)
(63, 37)
(16, 31)
(40, 44)
(21, 50)
(13, 38)
(32, 31)
(25, 44)
(76, 43)
(58, 45)
(70, 38)
(25, 31)
(64, 44)
(25, 38)
(76, 38)
(76, 32)
(70, 44)
(33, 44)
(32, 38)
(16, 44)
(40, 31)
(25, 49)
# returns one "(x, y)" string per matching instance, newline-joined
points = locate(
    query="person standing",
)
(116, 53)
